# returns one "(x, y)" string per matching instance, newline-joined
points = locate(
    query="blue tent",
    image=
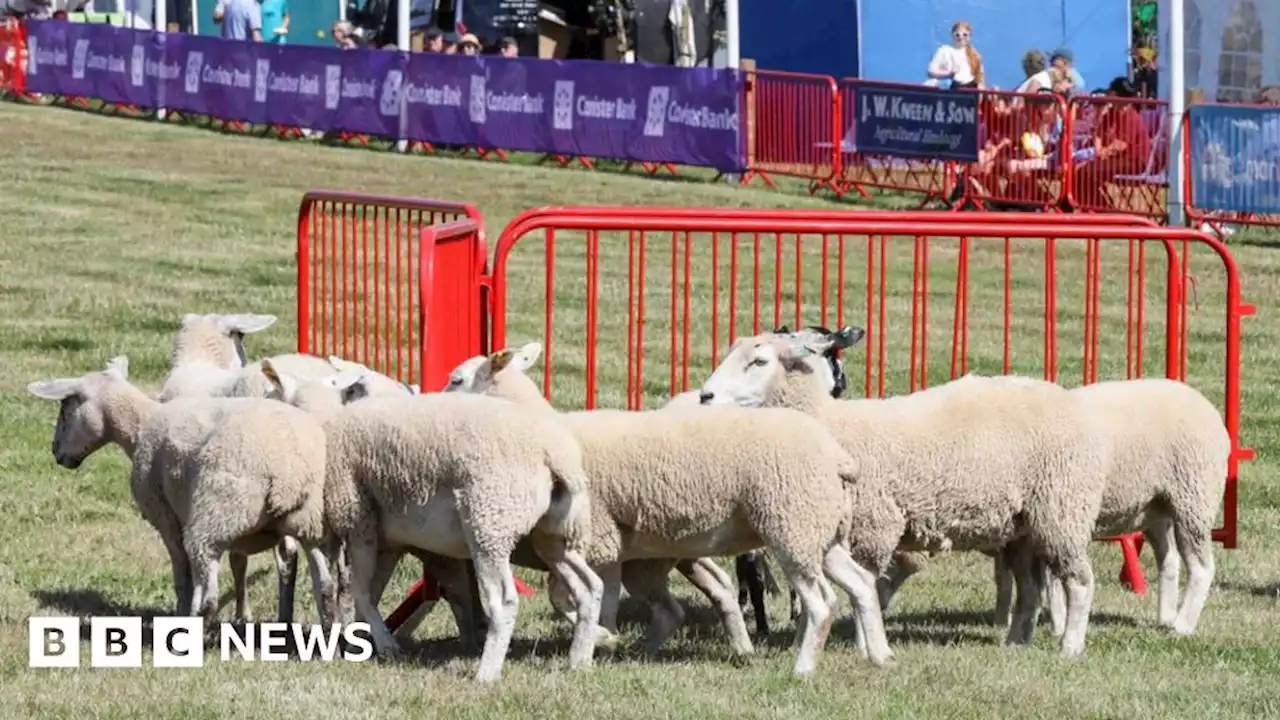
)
(894, 39)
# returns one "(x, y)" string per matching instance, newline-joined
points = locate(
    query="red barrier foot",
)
(1131, 574)
(425, 590)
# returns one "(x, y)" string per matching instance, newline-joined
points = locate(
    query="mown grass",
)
(114, 228)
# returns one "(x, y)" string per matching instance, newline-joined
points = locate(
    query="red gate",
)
(740, 245)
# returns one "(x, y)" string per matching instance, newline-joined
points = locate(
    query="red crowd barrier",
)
(396, 284)
(793, 121)
(13, 58)
(794, 265)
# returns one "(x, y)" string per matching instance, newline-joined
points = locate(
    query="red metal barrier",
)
(13, 58)
(794, 128)
(809, 240)
(1023, 160)
(368, 294)
(935, 179)
(1120, 154)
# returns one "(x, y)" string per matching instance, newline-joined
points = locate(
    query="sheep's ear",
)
(347, 378)
(526, 356)
(57, 389)
(190, 319)
(248, 324)
(341, 364)
(500, 359)
(118, 367)
(273, 375)
(847, 336)
(413, 389)
(781, 330)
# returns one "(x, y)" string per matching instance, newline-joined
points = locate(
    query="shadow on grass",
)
(1271, 592)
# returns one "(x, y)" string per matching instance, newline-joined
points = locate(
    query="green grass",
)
(115, 228)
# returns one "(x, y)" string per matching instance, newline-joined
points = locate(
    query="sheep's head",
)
(755, 365)
(479, 374)
(217, 339)
(81, 428)
(325, 394)
(845, 338)
(370, 383)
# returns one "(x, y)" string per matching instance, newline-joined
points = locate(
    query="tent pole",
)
(733, 52)
(1177, 108)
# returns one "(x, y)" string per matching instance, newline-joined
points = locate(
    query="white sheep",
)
(695, 483)
(976, 463)
(462, 477)
(209, 474)
(1169, 454)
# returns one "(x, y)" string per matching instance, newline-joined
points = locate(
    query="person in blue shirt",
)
(1064, 60)
(240, 19)
(275, 21)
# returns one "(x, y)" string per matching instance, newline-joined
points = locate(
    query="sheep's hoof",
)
(741, 660)
(390, 654)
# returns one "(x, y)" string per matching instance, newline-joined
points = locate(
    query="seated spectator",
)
(1036, 67)
(469, 44)
(435, 40)
(507, 47)
(344, 35)
(1065, 61)
(1121, 144)
(958, 62)
(450, 43)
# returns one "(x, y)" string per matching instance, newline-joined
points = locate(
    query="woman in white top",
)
(958, 62)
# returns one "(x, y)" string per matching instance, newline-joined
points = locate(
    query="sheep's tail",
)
(570, 500)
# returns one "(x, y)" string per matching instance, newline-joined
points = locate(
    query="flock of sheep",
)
(297, 452)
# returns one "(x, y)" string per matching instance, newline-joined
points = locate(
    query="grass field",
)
(115, 228)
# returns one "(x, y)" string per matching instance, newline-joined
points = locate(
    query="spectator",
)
(1144, 72)
(1065, 61)
(275, 21)
(344, 35)
(507, 47)
(435, 40)
(1122, 146)
(450, 43)
(469, 44)
(240, 19)
(1035, 66)
(959, 62)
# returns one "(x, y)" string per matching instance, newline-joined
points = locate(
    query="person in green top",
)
(275, 21)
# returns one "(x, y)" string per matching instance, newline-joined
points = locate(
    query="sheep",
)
(694, 483)
(1170, 450)
(209, 474)
(976, 463)
(462, 477)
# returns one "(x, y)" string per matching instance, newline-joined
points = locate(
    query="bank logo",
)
(195, 63)
(332, 86)
(78, 59)
(138, 66)
(261, 76)
(389, 103)
(655, 121)
(476, 107)
(562, 108)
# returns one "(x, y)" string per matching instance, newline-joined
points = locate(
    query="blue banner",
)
(1235, 158)
(916, 122)
(647, 113)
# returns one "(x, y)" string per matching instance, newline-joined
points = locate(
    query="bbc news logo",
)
(178, 642)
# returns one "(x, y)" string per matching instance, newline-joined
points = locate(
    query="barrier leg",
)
(1131, 574)
(425, 590)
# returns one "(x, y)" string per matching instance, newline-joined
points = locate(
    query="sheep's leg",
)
(1057, 601)
(286, 552)
(239, 580)
(561, 598)
(457, 585)
(322, 586)
(205, 560)
(341, 569)
(1168, 564)
(183, 586)
(362, 555)
(1018, 558)
(860, 584)
(1004, 591)
(817, 616)
(715, 584)
(611, 575)
(1196, 547)
(587, 590)
(749, 568)
(902, 567)
(1077, 578)
(498, 593)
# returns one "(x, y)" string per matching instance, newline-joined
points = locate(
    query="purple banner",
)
(652, 113)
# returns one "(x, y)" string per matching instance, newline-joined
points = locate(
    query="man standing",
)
(1065, 61)
(240, 19)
